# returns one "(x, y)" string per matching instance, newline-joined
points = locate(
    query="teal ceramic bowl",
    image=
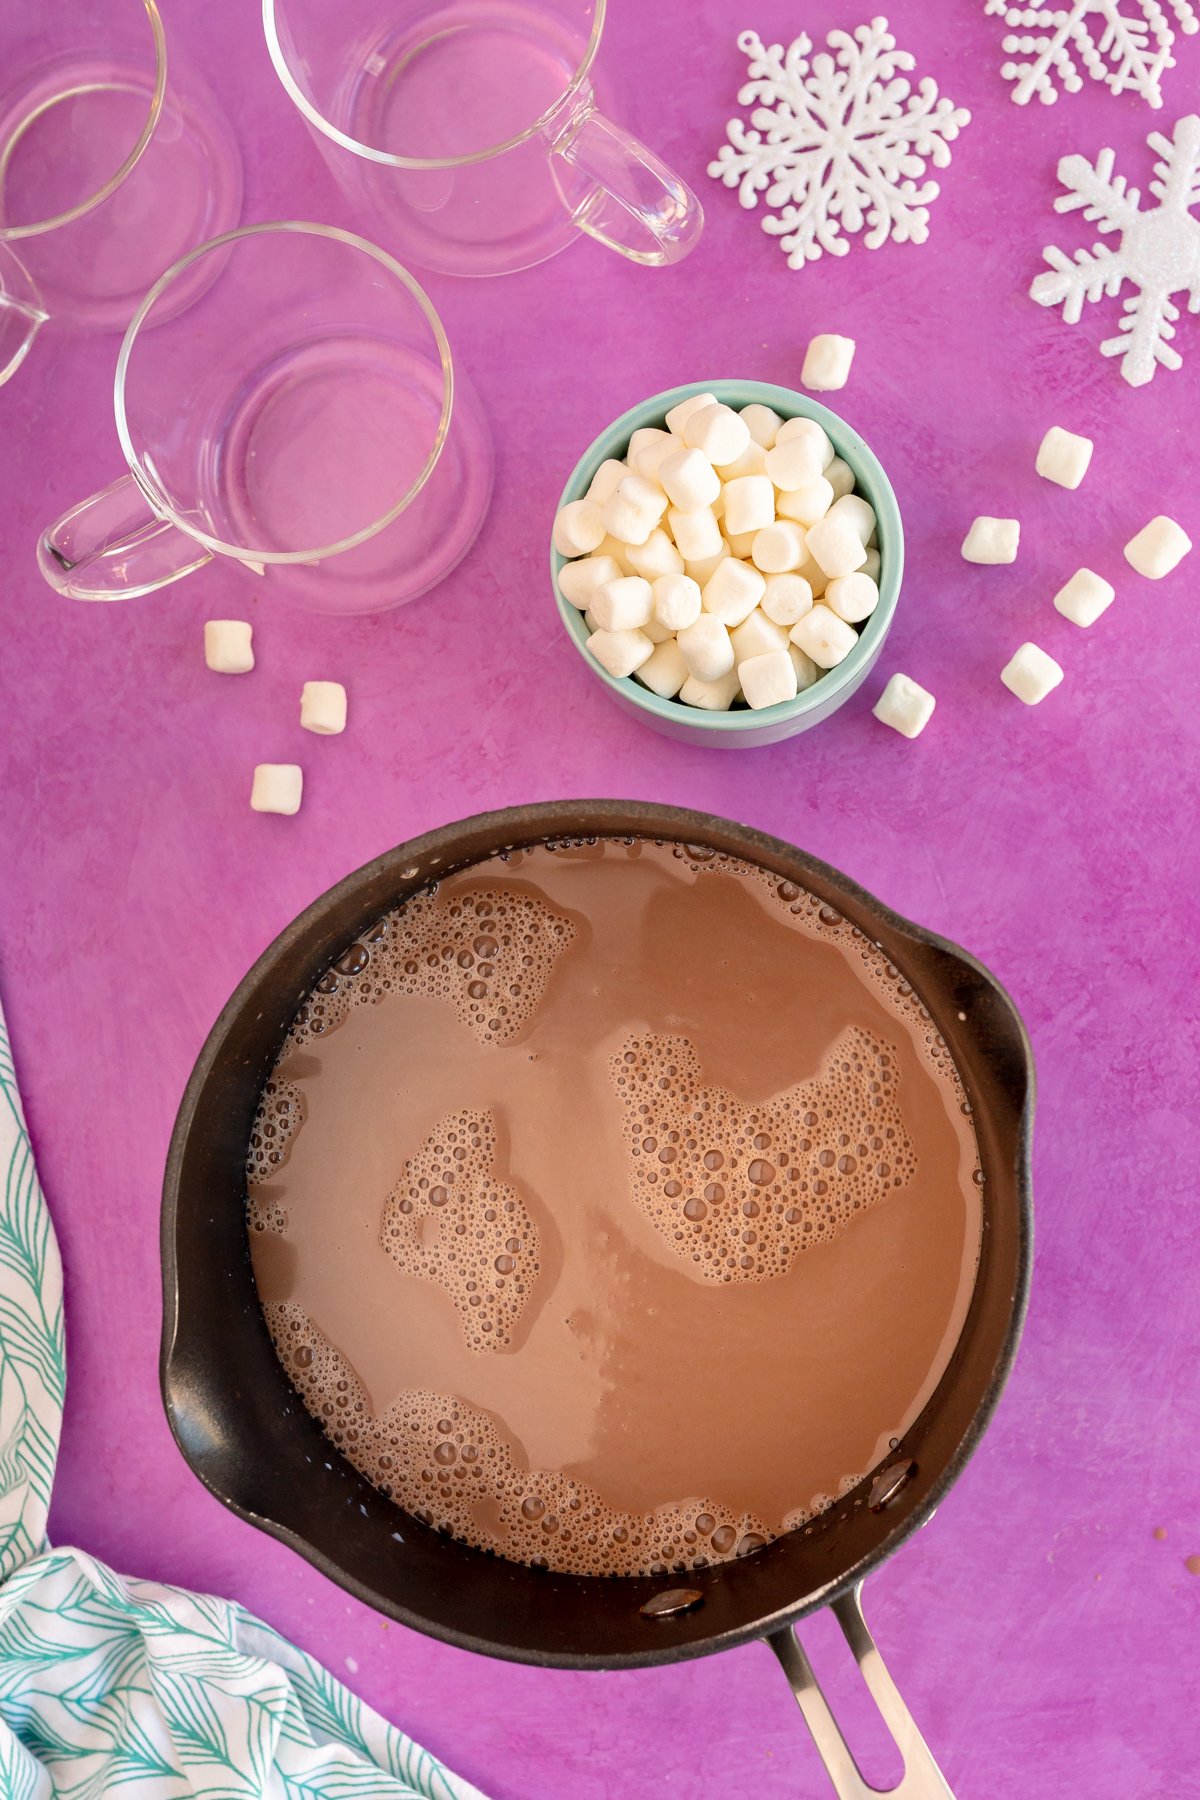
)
(741, 728)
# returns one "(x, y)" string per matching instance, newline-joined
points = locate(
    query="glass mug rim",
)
(388, 158)
(12, 233)
(146, 481)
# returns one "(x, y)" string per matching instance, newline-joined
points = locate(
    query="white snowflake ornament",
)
(839, 143)
(1159, 251)
(1125, 44)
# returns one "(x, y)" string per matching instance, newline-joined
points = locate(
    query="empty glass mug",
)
(108, 170)
(468, 131)
(303, 424)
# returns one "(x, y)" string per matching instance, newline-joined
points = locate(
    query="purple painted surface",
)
(1040, 1631)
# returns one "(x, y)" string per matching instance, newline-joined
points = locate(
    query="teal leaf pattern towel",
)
(110, 1686)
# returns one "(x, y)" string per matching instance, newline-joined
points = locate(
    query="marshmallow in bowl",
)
(729, 538)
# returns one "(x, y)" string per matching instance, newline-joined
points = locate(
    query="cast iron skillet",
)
(247, 1436)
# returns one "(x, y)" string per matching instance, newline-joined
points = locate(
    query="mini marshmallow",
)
(852, 597)
(658, 634)
(277, 788)
(756, 635)
(992, 540)
(733, 591)
(811, 571)
(619, 552)
(657, 556)
(824, 637)
(647, 437)
(697, 534)
(676, 601)
(806, 669)
(711, 696)
(761, 422)
(679, 415)
(1031, 674)
(227, 646)
(778, 547)
(794, 462)
(806, 504)
(706, 647)
(873, 563)
(633, 509)
(904, 705)
(840, 477)
(827, 363)
(718, 432)
(1158, 548)
(323, 707)
(752, 461)
(651, 457)
(749, 503)
(859, 513)
(741, 543)
(836, 546)
(578, 528)
(604, 482)
(1084, 597)
(620, 652)
(800, 427)
(767, 680)
(701, 568)
(665, 672)
(1063, 457)
(623, 605)
(578, 581)
(689, 478)
(787, 599)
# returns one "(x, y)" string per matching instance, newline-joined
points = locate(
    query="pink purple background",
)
(1041, 1632)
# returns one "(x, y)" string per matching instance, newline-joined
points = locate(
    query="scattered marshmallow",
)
(905, 705)
(277, 788)
(620, 652)
(578, 528)
(1158, 548)
(623, 605)
(836, 546)
(718, 432)
(778, 548)
(606, 480)
(767, 680)
(707, 648)
(696, 533)
(1031, 674)
(749, 503)
(824, 637)
(227, 646)
(852, 597)
(827, 363)
(676, 602)
(665, 672)
(992, 540)
(786, 600)
(689, 479)
(657, 556)
(801, 427)
(711, 696)
(679, 415)
(732, 591)
(762, 422)
(756, 635)
(806, 504)
(578, 581)
(1084, 597)
(1063, 457)
(323, 707)
(795, 461)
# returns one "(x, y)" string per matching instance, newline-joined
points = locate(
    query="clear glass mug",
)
(107, 169)
(303, 425)
(467, 130)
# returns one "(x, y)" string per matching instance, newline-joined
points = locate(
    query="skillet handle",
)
(922, 1779)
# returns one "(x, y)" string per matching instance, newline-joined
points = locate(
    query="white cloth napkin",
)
(111, 1685)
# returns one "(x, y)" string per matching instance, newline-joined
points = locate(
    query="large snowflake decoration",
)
(1159, 251)
(839, 143)
(1126, 44)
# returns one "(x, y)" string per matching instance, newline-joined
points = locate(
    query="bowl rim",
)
(838, 683)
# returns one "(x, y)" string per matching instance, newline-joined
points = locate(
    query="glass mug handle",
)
(114, 546)
(620, 193)
(21, 313)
